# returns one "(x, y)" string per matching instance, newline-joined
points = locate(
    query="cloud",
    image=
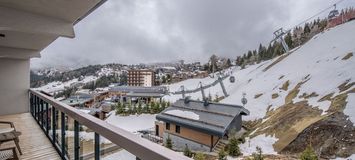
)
(134, 31)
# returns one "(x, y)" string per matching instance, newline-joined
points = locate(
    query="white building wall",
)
(14, 85)
(147, 80)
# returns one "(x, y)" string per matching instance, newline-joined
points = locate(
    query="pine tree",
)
(156, 108)
(187, 151)
(238, 61)
(169, 143)
(308, 154)
(222, 155)
(151, 107)
(306, 28)
(139, 108)
(258, 155)
(228, 63)
(163, 105)
(249, 54)
(233, 148)
(288, 40)
(145, 108)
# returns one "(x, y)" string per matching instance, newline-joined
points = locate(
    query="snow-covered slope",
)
(58, 86)
(319, 60)
(320, 73)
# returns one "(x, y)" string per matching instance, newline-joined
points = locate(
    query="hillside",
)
(302, 98)
(46, 76)
(52, 81)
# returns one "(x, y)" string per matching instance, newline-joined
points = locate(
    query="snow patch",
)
(264, 142)
(352, 157)
(132, 123)
(350, 107)
(184, 114)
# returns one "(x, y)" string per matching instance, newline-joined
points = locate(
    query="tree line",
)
(294, 38)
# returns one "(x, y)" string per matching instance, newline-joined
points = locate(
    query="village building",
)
(142, 77)
(79, 100)
(85, 98)
(127, 93)
(198, 124)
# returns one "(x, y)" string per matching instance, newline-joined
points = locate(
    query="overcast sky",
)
(146, 31)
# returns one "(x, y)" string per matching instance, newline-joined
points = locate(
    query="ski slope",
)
(318, 62)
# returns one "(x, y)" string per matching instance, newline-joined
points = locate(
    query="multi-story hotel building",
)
(145, 78)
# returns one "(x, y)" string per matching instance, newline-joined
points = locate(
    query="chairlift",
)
(333, 13)
(232, 79)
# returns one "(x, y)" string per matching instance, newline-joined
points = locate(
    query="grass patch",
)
(285, 85)
(338, 103)
(269, 111)
(251, 125)
(307, 96)
(275, 95)
(346, 85)
(287, 121)
(327, 97)
(258, 95)
(294, 92)
(349, 55)
(275, 62)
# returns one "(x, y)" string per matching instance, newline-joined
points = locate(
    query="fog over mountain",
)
(150, 31)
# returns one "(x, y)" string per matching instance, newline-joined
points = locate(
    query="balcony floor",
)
(33, 142)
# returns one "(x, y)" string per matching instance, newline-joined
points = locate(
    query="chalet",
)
(197, 124)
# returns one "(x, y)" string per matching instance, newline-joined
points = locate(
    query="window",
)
(177, 129)
(167, 126)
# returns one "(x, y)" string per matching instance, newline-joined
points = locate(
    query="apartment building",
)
(145, 78)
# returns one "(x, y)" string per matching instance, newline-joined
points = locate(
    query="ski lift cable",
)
(320, 12)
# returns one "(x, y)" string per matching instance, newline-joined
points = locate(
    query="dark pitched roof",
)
(154, 95)
(214, 118)
(138, 89)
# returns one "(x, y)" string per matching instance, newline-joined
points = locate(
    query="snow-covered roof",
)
(214, 118)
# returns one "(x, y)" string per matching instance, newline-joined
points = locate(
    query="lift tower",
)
(279, 36)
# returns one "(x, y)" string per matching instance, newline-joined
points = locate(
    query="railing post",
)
(47, 118)
(97, 146)
(37, 108)
(63, 133)
(35, 114)
(54, 126)
(31, 103)
(76, 140)
(42, 114)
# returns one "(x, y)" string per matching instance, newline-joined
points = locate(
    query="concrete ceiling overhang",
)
(29, 26)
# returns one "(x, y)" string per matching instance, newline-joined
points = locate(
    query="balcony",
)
(53, 130)
(33, 142)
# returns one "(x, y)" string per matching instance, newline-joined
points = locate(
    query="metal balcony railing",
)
(65, 125)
